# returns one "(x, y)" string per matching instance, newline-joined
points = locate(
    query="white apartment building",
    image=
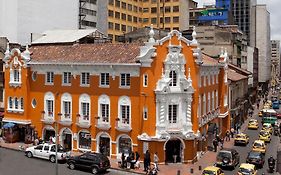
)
(20, 18)
(275, 57)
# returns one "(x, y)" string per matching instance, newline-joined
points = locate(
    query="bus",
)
(275, 104)
(269, 116)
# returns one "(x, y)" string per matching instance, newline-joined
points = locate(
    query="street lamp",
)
(56, 135)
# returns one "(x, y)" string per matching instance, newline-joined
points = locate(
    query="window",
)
(34, 76)
(66, 78)
(105, 112)
(130, 18)
(123, 28)
(153, 20)
(117, 15)
(175, 8)
(16, 75)
(50, 107)
(84, 140)
(16, 103)
(85, 78)
(21, 103)
(110, 13)
(173, 76)
(130, 7)
(104, 79)
(110, 25)
(125, 114)
(124, 144)
(50, 78)
(46, 148)
(123, 16)
(145, 113)
(173, 109)
(117, 26)
(125, 80)
(34, 103)
(167, 19)
(66, 109)
(176, 19)
(88, 23)
(167, 9)
(117, 3)
(135, 19)
(145, 80)
(153, 10)
(85, 110)
(124, 5)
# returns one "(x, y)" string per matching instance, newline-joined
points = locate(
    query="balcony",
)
(83, 121)
(102, 125)
(48, 118)
(65, 119)
(123, 125)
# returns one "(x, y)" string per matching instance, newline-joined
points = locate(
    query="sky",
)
(273, 6)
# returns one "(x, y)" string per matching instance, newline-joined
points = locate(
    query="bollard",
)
(200, 168)
(191, 170)
(179, 172)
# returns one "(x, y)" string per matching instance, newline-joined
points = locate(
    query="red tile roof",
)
(86, 53)
(207, 60)
(234, 76)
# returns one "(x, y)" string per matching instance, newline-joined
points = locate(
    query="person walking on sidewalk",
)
(232, 132)
(221, 142)
(227, 136)
(156, 160)
(215, 144)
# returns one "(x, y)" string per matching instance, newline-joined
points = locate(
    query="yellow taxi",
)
(265, 136)
(241, 139)
(259, 146)
(253, 124)
(247, 168)
(267, 127)
(260, 114)
(212, 170)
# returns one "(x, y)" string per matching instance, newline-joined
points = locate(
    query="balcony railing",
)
(47, 118)
(66, 119)
(103, 125)
(123, 125)
(83, 121)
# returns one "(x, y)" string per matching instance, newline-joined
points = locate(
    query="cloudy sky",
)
(275, 13)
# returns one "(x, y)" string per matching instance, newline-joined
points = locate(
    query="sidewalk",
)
(205, 160)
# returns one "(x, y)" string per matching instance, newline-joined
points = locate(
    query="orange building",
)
(164, 96)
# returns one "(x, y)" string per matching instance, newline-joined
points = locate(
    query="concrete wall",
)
(250, 64)
(20, 18)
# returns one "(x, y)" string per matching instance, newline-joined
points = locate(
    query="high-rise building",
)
(241, 11)
(262, 42)
(275, 59)
(18, 19)
(125, 16)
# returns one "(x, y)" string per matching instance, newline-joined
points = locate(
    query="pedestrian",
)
(123, 160)
(148, 160)
(227, 136)
(221, 142)
(145, 162)
(137, 156)
(128, 160)
(215, 144)
(232, 132)
(156, 160)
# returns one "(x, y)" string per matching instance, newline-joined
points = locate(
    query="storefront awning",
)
(23, 122)
(8, 125)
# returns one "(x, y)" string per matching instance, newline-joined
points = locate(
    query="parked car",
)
(212, 170)
(96, 162)
(47, 151)
(241, 139)
(256, 158)
(259, 145)
(227, 158)
(246, 168)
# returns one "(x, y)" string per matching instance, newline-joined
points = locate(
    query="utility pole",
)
(56, 135)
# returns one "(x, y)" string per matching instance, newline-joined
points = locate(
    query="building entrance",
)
(173, 151)
(48, 133)
(67, 139)
(104, 145)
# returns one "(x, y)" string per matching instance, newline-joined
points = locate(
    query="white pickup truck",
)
(47, 151)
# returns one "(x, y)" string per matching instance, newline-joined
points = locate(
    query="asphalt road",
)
(243, 151)
(15, 162)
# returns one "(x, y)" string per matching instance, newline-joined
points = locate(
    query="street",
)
(243, 151)
(15, 162)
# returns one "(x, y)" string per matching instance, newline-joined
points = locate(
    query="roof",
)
(240, 70)
(207, 60)
(63, 36)
(247, 166)
(235, 76)
(211, 168)
(101, 53)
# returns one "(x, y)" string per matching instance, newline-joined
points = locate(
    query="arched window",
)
(124, 144)
(173, 76)
(124, 104)
(66, 103)
(49, 104)
(104, 108)
(84, 106)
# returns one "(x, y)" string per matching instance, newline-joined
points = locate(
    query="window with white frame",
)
(145, 113)
(173, 76)
(124, 104)
(84, 106)
(10, 106)
(209, 102)
(104, 79)
(125, 80)
(173, 113)
(66, 109)
(145, 80)
(21, 103)
(50, 78)
(217, 78)
(213, 100)
(16, 103)
(49, 104)
(66, 78)
(104, 112)
(85, 78)
(217, 100)
(16, 75)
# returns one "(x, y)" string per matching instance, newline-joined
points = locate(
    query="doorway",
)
(104, 145)
(48, 133)
(173, 151)
(67, 139)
